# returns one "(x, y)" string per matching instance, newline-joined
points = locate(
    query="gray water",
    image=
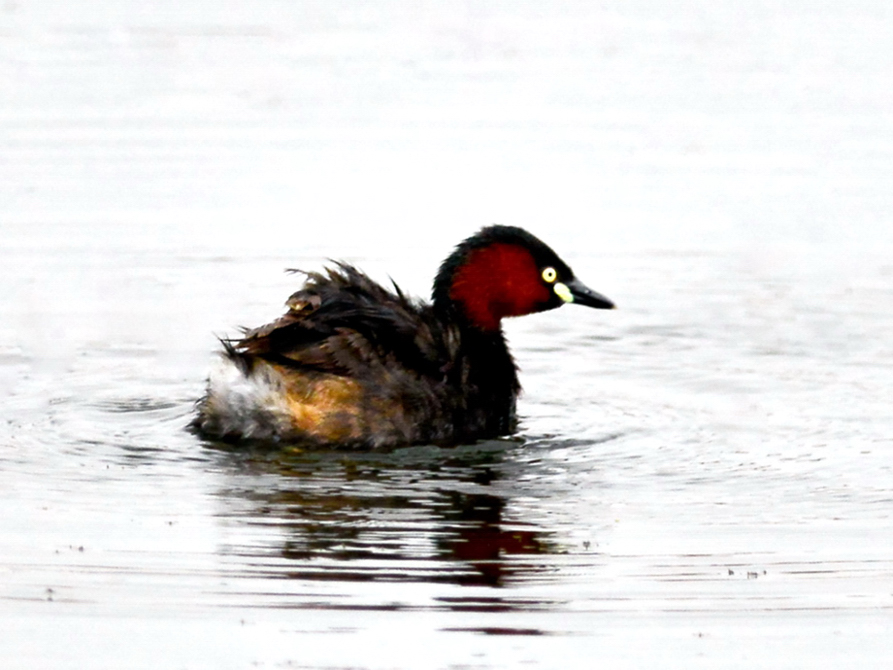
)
(702, 478)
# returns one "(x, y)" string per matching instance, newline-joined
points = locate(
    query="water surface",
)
(702, 478)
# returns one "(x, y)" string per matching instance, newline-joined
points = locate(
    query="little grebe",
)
(352, 364)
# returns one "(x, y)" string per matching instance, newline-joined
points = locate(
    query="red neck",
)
(496, 281)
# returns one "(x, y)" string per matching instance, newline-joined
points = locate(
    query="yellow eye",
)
(549, 275)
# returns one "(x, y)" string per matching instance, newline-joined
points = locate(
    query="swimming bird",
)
(352, 364)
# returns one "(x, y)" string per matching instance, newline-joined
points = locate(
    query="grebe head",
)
(505, 271)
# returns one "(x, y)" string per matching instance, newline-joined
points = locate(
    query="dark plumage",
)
(352, 364)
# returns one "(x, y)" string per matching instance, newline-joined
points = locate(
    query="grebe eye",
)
(549, 274)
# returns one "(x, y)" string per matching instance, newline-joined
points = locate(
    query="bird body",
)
(352, 364)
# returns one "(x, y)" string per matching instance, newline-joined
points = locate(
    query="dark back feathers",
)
(344, 323)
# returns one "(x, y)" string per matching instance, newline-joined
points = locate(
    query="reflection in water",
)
(414, 515)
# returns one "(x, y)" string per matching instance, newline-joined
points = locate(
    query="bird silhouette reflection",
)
(430, 515)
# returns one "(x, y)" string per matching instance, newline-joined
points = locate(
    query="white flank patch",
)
(252, 405)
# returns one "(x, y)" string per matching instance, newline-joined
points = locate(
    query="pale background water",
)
(702, 478)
